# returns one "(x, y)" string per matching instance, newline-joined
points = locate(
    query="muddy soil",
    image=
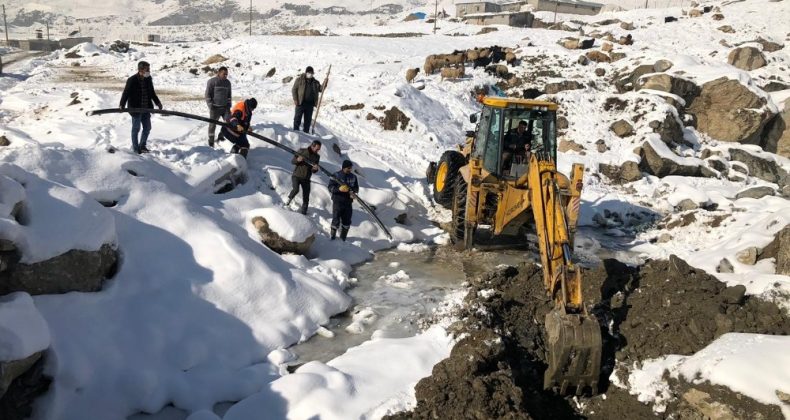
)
(662, 307)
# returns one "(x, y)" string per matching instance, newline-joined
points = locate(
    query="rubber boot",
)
(234, 149)
(343, 233)
(332, 234)
(210, 141)
(243, 152)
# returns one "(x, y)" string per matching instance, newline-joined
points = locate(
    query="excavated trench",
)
(658, 308)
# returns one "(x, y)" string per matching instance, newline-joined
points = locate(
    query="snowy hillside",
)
(197, 314)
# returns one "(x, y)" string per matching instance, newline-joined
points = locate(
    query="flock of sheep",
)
(452, 65)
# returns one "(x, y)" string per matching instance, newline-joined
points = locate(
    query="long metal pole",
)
(5, 24)
(250, 17)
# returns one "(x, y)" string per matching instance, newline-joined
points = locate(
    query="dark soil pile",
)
(663, 307)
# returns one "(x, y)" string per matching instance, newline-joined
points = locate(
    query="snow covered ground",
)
(200, 310)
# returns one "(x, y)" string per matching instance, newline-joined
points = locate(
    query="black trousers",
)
(306, 111)
(341, 213)
(304, 185)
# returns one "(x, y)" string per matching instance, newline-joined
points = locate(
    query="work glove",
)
(240, 128)
(343, 188)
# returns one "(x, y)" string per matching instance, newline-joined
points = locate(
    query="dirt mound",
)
(663, 307)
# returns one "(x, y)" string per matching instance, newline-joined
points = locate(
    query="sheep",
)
(497, 70)
(411, 74)
(510, 58)
(454, 58)
(497, 55)
(484, 53)
(452, 72)
(472, 55)
(481, 62)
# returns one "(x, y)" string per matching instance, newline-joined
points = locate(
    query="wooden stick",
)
(321, 98)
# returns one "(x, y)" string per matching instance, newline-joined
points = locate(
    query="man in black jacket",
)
(305, 93)
(344, 188)
(139, 93)
(306, 162)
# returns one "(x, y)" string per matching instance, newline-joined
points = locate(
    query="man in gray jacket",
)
(218, 99)
(305, 93)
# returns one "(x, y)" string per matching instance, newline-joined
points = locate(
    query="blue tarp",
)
(419, 15)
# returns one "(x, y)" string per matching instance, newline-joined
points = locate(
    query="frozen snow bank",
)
(360, 383)
(56, 219)
(754, 365)
(290, 225)
(23, 331)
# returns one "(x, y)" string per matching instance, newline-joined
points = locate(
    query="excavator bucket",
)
(574, 352)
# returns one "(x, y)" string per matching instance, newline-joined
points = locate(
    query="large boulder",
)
(552, 88)
(622, 128)
(628, 82)
(658, 160)
(627, 172)
(779, 249)
(747, 58)
(284, 232)
(777, 138)
(74, 271)
(670, 129)
(765, 169)
(728, 111)
(686, 89)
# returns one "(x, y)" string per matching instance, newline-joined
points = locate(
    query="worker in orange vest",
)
(240, 118)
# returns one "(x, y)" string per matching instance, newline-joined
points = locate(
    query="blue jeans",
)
(145, 120)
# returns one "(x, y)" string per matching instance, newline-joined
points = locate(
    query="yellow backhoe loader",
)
(505, 177)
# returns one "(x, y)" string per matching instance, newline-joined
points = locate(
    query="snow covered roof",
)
(580, 3)
(477, 15)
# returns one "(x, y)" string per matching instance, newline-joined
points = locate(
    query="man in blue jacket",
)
(344, 188)
(139, 93)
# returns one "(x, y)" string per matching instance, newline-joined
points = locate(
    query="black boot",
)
(210, 141)
(234, 149)
(343, 233)
(243, 152)
(332, 234)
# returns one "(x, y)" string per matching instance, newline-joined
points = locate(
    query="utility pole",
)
(5, 24)
(47, 22)
(556, 6)
(250, 17)
(435, 15)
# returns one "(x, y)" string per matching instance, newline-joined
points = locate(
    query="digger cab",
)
(509, 131)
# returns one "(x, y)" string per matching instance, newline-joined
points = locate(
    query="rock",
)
(193, 71)
(664, 238)
(615, 56)
(487, 30)
(288, 79)
(733, 295)
(684, 88)
(747, 256)
(626, 83)
(598, 56)
(214, 59)
(352, 107)
(607, 46)
(775, 86)
(627, 172)
(727, 29)
(370, 117)
(600, 72)
(277, 243)
(393, 117)
(769, 46)
(622, 128)
(661, 66)
(728, 111)
(755, 192)
(764, 169)
(72, 54)
(746, 58)
(72, 271)
(717, 16)
(777, 133)
(628, 26)
(570, 43)
(695, 13)
(271, 72)
(653, 163)
(725, 266)
(10, 370)
(686, 205)
(600, 145)
(568, 145)
(562, 123)
(583, 60)
(552, 88)
(707, 407)
(401, 219)
(717, 164)
(670, 130)
(779, 250)
(119, 46)
(4, 141)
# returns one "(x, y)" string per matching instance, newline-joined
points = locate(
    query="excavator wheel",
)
(461, 235)
(444, 179)
(574, 352)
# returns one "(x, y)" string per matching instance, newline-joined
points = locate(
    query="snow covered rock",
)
(778, 136)
(557, 87)
(23, 336)
(663, 162)
(746, 58)
(728, 111)
(683, 88)
(779, 249)
(767, 170)
(284, 231)
(755, 192)
(670, 129)
(627, 172)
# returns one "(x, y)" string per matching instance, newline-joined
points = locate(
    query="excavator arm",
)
(573, 335)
